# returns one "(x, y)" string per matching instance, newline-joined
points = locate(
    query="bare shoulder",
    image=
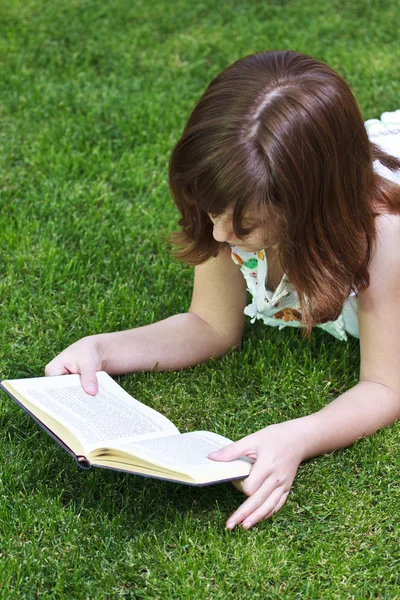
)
(219, 274)
(223, 261)
(387, 224)
(379, 325)
(219, 294)
(385, 263)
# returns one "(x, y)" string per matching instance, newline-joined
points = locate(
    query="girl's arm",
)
(213, 325)
(373, 403)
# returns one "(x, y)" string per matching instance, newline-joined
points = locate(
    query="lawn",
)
(93, 97)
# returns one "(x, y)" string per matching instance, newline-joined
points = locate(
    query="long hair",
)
(282, 132)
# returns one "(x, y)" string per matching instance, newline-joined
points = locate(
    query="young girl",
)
(280, 191)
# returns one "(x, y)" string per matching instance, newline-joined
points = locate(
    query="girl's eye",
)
(248, 225)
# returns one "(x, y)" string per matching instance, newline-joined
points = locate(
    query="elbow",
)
(230, 342)
(229, 347)
(236, 341)
(220, 341)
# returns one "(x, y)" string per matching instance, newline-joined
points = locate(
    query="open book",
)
(113, 430)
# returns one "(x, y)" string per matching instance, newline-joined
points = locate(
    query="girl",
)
(280, 191)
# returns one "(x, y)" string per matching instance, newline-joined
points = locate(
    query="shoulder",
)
(388, 233)
(223, 261)
(218, 276)
(380, 299)
(385, 263)
(378, 320)
(219, 295)
(387, 223)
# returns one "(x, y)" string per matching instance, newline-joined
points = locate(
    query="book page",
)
(188, 448)
(111, 415)
(180, 451)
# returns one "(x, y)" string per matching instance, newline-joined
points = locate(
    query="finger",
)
(266, 510)
(89, 379)
(252, 504)
(279, 505)
(54, 368)
(259, 473)
(230, 452)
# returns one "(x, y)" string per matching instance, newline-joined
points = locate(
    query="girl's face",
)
(260, 237)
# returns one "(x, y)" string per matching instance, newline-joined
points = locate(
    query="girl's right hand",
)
(82, 357)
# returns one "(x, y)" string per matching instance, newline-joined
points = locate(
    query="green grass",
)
(93, 96)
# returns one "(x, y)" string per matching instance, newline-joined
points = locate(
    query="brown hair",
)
(282, 131)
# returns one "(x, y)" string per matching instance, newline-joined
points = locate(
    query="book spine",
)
(82, 462)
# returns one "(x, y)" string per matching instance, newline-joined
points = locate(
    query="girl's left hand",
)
(278, 452)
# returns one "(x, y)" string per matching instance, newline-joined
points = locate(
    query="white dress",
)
(281, 307)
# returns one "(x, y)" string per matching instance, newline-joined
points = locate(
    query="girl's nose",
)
(222, 230)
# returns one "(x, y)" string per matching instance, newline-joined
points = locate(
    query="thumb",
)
(230, 452)
(89, 379)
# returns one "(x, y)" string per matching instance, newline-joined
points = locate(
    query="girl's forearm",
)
(357, 413)
(174, 343)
